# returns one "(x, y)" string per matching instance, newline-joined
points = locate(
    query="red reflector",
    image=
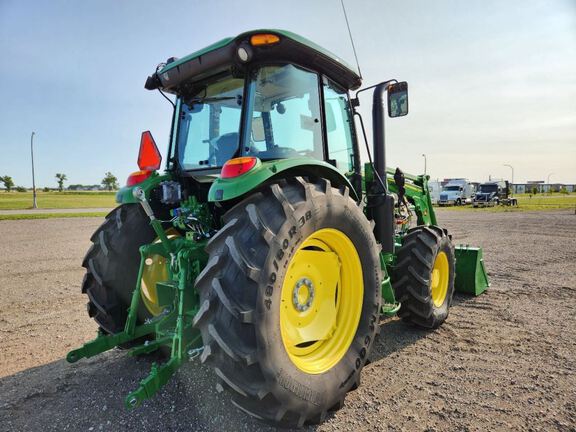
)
(149, 157)
(238, 166)
(137, 177)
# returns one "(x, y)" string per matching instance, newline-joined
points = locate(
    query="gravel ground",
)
(503, 361)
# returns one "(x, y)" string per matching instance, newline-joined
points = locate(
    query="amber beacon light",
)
(264, 39)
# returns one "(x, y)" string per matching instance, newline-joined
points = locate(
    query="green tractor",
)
(266, 249)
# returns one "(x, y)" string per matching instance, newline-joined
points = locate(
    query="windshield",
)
(209, 124)
(488, 188)
(452, 188)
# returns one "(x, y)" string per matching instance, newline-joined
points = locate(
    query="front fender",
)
(267, 172)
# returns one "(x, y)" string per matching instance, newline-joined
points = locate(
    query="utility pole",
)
(424, 163)
(512, 168)
(34, 205)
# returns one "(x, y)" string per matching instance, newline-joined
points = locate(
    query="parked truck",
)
(456, 192)
(494, 193)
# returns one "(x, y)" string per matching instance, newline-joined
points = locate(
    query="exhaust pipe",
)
(382, 202)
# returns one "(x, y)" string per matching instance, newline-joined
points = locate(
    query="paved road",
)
(40, 211)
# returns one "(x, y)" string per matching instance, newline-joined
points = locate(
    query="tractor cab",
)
(264, 95)
(276, 112)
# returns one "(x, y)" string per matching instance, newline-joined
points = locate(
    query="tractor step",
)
(471, 276)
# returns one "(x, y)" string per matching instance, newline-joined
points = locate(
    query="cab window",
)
(339, 119)
(285, 114)
(209, 124)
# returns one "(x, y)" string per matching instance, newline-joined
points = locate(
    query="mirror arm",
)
(356, 102)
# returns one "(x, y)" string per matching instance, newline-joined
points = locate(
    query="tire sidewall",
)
(327, 388)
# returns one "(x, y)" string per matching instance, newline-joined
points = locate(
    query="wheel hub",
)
(303, 294)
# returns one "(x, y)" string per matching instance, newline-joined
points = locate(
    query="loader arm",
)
(418, 194)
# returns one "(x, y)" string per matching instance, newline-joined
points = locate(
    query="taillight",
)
(238, 166)
(137, 177)
(149, 158)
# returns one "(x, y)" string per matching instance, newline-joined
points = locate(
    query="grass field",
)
(57, 200)
(535, 202)
(75, 200)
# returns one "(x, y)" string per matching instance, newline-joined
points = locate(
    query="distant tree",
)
(110, 182)
(46, 189)
(534, 190)
(563, 190)
(21, 189)
(61, 179)
(8, 182)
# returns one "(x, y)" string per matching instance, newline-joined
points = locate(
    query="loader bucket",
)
(471, 277)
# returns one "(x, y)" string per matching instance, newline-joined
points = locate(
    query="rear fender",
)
(271, 171)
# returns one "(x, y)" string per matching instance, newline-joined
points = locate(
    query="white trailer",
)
(456, 192)
(435, 187)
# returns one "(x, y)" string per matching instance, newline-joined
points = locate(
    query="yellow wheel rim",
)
(155, 270)
(321, 301)
(439, 283)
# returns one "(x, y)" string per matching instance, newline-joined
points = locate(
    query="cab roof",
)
(177, 74)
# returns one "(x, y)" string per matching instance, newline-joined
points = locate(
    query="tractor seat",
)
(226, 146)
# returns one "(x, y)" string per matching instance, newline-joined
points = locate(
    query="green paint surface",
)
(226, 189)
(226, 41)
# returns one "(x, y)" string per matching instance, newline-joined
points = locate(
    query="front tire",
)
(258, 288)
(423, 278)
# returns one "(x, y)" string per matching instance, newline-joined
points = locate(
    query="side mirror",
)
(398, 99)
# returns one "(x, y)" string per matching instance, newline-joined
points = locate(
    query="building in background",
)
(541, 187)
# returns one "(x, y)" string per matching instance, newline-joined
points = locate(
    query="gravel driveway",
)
(503, 361)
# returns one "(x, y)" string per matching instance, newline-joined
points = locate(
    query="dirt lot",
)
(503, 361)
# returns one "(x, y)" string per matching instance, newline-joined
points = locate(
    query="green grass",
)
(57, 200)
(553, 201)
(51, 215)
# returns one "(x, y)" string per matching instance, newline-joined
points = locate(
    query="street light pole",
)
(424, 163)
(512, 168)
(34, 205)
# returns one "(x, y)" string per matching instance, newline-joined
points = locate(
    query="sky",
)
(490, 82)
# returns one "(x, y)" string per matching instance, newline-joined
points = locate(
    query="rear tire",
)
(112, 264)
(414, 276)
(241, 299)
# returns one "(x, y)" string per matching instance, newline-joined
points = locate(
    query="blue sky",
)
(491, 82)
